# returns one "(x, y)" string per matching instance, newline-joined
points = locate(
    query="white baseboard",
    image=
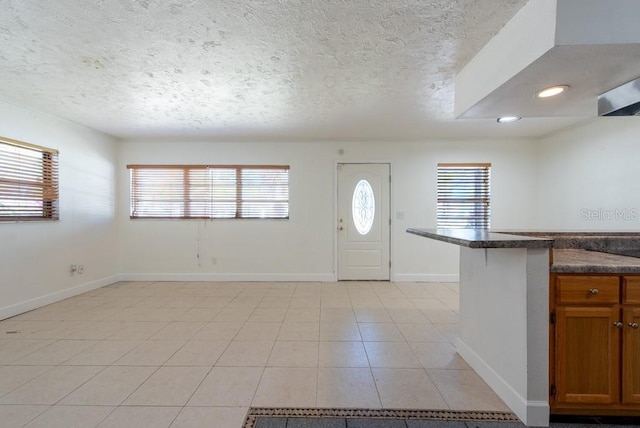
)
(537, 413)
(47, 299)
(284, 277)
(418, 277)
(219, 277)
(531, 413)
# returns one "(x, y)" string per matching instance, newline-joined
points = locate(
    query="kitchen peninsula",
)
(504, 300)
(508, 282)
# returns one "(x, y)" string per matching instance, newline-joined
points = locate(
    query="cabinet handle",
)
(633, 325)
(618, 324)
(594, 291)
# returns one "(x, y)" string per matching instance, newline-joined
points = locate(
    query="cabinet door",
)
(587, 355)
(631, 356)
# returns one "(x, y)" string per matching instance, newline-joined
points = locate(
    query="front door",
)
(363, 221)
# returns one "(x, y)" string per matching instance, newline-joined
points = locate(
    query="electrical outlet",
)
(80, 269)
(73, 269)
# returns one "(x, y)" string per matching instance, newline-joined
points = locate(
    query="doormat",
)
(277, 417)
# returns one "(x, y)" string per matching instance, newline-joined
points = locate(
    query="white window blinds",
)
(464, 196)
(28, 182)
(209, 191)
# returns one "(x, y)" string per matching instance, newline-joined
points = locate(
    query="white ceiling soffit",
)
(590, 45)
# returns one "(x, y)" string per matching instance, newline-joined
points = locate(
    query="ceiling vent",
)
(621, 101)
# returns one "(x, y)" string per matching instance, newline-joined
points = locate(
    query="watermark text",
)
(599, 214)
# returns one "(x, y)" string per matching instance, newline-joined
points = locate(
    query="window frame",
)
(23, 181)
(239, 200)
(473, 202)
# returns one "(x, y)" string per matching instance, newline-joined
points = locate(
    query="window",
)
(363, 207)
(209, 191)
(463, 196)
(28, 182)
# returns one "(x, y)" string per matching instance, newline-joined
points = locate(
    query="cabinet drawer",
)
(587, 289)
(631, 293)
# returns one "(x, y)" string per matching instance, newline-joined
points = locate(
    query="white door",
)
(363, 221)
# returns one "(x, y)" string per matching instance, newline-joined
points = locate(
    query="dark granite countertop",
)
(569, 233)
(584, 261)
(596, 241)
(477, 238)
(573, 252)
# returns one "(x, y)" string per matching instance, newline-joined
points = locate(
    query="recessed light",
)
(508, 119)
(552, 91)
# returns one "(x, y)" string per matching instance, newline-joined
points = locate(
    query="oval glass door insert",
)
(363, 207)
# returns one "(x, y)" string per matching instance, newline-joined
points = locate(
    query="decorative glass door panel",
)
(363, 207)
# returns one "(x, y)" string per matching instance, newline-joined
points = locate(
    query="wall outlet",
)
(80, 269)
(73, 269)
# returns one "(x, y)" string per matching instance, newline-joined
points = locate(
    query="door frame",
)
(335, 212)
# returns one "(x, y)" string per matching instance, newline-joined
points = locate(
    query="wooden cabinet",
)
(588, 355)
(631, 340)
(631, 356)
(595, 344)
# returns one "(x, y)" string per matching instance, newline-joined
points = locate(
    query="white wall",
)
(35, 256)
(303, 248)
(589, 177)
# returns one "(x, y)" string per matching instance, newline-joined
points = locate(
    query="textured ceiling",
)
(252, 69)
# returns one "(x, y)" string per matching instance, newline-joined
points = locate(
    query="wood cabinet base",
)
(594, 345)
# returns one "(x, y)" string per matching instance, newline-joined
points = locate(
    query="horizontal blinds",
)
(203, 191)
(464, 196)
(217, 193)
(29, 188)
(157, 193)
(264, 193)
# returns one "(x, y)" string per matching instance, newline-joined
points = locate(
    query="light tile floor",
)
(190, 354)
